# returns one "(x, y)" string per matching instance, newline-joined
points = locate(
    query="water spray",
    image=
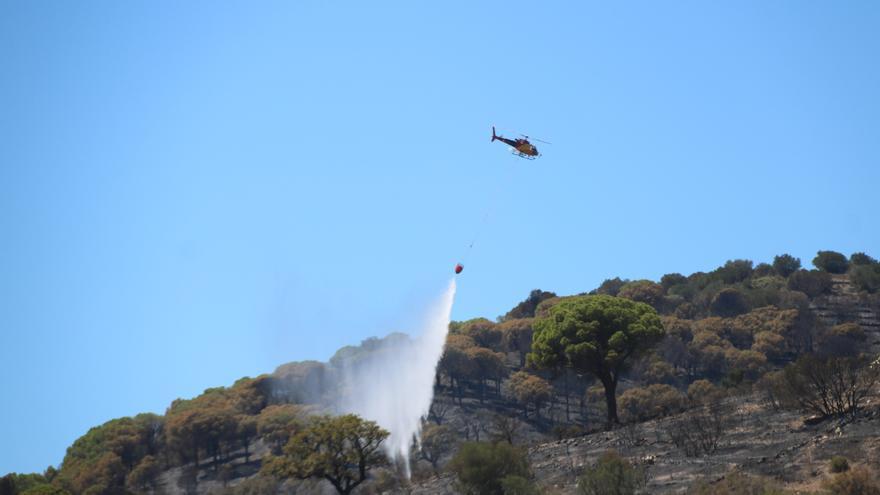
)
(395, 385)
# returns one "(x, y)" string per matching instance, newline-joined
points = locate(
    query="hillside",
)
(727, 336)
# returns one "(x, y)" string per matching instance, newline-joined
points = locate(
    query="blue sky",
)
(194, 192)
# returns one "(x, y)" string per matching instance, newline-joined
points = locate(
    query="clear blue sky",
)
(191, 192)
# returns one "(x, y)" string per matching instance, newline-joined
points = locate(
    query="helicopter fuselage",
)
(522, 146)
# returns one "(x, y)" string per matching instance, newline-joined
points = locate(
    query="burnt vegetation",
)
(554, 368)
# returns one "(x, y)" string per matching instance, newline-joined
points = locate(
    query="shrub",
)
(734, 271)
(701, 430)
(763, 270)
(729, 302)
(812, 283)
(481, 466)
(786, 264)
(644, 291)
(672, 279)
(656, 400)
(839, 464)
(611, 475)
(517, 485)
(704, 392)
(831, 262)
(866, 277)
(854, 482)
(736, 484)
(830, 387)
(846, 339)
(861, 259)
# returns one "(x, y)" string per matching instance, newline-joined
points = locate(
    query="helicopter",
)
(521, 146)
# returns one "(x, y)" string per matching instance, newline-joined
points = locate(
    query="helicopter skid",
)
(523, 155)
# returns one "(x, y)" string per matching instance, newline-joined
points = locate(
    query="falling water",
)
(395, 386)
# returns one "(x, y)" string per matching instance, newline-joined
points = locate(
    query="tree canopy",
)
(597, 335)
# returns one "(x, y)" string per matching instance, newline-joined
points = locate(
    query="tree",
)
(672, 279)
(437, 441)
(729, 302)
(487, 365)
(516, 336)
(526, 309)
(505, 428)
(645, 291)
(866, 277)
(609, 287)
(339, 449)
(530, 389)
(597, 335)
(813, 283)
(276, 424)
(481, 467)
(612, 475)
(831, 262)
(733, 271)
(455, 362)
(143, 476)
(786, 264)
(861, 259)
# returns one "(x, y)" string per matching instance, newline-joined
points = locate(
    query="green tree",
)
(861, 259)
(597, 335)
(831, 262)
(481, 466)
(612, 475)
(786, 264)
(340, 449)
(729, 302)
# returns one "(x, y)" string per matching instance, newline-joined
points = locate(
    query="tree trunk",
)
(611, 399)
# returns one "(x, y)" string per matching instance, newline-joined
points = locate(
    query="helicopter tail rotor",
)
(494, 137)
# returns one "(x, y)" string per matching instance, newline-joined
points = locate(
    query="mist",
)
(393, 384)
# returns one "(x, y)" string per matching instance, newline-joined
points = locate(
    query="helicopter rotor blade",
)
(536, 139)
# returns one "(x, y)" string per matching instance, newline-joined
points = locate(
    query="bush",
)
(734, 271)
(728, 303)
(704, 392)
(517, 485)
(831, 262)
(642, 403)
(861, 259)
(854, 482)
(763, 270)
(846, 339)
(736, 484)
(786, 264)
(701, 430)
(812, 283)
(611, 475)
(830, 387)
(644, 291)
(481, 466)
(839, 464)
(866, 277)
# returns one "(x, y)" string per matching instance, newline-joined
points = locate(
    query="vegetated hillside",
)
(717, 392)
